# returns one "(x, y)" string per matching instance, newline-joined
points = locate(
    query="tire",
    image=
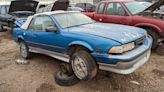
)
(155, 37)
(66, 68)
(1, 28)
(63, 79)
(160, 49)
(24, 50)
(81, 60)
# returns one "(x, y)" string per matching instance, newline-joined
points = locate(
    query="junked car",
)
(85, 44)
(130, 12)
(87, 7)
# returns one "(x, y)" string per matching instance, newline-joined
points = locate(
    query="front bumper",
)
(126, 63)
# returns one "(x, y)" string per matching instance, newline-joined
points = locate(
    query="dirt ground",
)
(38, 75)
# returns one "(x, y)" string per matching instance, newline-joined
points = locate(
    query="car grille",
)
(140, 41)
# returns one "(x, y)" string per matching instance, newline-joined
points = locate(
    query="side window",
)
(81, 5)
(110, 9)
(31, 26)
(88, 5)
(101, 8)
(120, 10)
(115, 9)
(41, 23)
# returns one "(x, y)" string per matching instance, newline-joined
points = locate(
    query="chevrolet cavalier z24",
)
(85, 44)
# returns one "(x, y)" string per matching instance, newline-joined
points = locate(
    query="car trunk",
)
(60, 5)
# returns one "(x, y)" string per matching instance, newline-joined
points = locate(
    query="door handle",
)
(105, 17)
(34, 35)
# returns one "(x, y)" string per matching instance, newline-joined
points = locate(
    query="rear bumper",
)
(126, 63)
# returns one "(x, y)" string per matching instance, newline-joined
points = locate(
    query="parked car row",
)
(85, 44)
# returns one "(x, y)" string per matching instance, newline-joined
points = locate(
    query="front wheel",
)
(84, 66)
(155, 37)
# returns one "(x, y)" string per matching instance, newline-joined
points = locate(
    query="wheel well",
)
(20, 40)
(73, 48)
(146, 27)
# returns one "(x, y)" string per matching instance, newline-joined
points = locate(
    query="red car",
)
(129, 12)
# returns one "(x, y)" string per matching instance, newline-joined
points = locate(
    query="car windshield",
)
(72, 19)
(135, 7)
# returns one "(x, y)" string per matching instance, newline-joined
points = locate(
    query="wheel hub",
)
(23, 50)
(80, 68)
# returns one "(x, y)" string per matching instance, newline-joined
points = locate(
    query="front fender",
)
(149, 25)
(81, 43)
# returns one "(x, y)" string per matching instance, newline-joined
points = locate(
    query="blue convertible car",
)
(88, 45)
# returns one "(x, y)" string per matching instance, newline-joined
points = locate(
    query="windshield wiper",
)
(80, 25)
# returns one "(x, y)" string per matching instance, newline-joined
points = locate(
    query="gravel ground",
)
(38, 75)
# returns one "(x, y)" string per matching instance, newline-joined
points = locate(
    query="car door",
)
(100, 12)
(115, 13)
(38, 37)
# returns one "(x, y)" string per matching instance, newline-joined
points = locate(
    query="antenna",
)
(66, 5)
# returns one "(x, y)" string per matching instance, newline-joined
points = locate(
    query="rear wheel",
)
(24, 50)
(155, 37)
(84, 66)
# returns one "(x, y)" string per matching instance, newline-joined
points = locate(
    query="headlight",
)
(122, 49)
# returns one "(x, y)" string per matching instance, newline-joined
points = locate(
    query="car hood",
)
(60, 5)
(120, 33)
(154, 6)
(20, 22)
(23, 5)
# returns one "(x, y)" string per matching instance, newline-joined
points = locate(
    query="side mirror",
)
(52, 29)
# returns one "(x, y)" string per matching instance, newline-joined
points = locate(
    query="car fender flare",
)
(81, 43)
(157, 29)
